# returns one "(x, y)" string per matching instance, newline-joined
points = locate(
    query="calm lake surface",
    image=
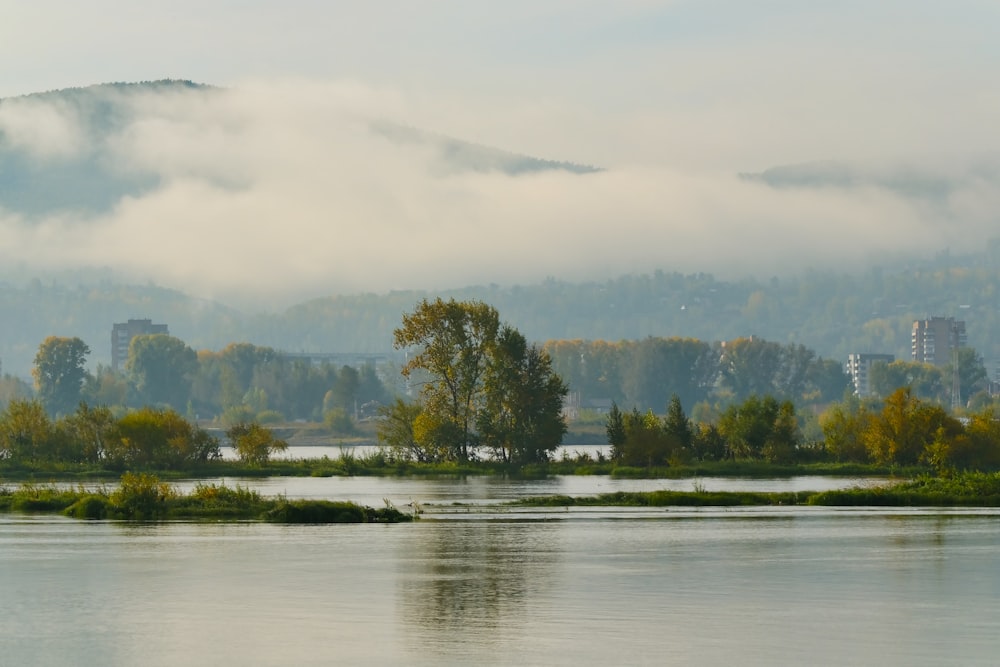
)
(479, 584)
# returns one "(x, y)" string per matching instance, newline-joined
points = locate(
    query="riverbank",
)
(375, 464)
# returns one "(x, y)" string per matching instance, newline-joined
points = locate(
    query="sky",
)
(277, 191)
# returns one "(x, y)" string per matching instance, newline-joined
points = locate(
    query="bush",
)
(142, 496)
(91, 506)
(338, 421)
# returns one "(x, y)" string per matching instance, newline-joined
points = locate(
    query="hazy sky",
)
(674, 99)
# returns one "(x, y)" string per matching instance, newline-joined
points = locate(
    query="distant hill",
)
(465, 156)
(89, 182)
(931, 182)
(831, 313)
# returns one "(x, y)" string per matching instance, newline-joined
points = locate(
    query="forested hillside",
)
(832, 314)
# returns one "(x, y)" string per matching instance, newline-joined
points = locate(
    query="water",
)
(336, 451)
(487, 585)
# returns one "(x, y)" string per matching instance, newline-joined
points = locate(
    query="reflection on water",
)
(475, 574)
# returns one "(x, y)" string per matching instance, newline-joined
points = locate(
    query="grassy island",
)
(972, 489)
(142, 497)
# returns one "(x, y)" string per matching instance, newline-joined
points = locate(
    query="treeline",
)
(646, 373)
(902, 430)
(240, 383)
(144, 439)
(830, 312)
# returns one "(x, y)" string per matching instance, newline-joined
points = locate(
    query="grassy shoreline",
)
(376, 465)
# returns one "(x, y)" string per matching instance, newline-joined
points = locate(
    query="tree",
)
(676, 424)
(906, 427)
(615, 428)
(13, 388)
(645, 442)
(162, 368)
(659, 367)
(453, 340)
(748, 426)
(843, 431)
(105, 387)
(59, 373)
(750, 367)
(25, 431)
(784, 438)
(924, 380)
(521, 419)
(254, 444)
(827, 380)
(158, 439)
(971, 372)
(91, 429)
(344, 392)
(395, 431)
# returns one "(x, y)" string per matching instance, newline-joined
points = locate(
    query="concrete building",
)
(858, 366)
(933, 340)
(123, 333)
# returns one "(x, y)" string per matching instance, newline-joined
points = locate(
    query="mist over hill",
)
(269, 194)
(310, 216)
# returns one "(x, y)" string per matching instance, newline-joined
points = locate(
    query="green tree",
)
(25, 431)
(645, 442)
(925, 381)
(339, 421)
(981, 449)
(748, 425)
(971, 370)
(105, 387)
(844, 426)
(521, 418)
(659, 367)
(254, 444)
(395, 432)
(162, 368)
(161, 439)
(676, 424)
(749, 367)
(615, 428)
(708, 443)
(59, 373)
(905, 428)
(344, 393)
(783, 440)
(91, 429)
(13, 388)
(453, 341)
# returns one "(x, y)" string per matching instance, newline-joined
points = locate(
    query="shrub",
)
(142, 496)
(91, 506)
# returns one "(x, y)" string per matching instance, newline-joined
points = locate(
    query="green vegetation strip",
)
(377, 464)
(142, 497)
(963, 490)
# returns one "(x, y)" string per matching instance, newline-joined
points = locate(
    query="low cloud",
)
(46, 131)
(276, 191)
